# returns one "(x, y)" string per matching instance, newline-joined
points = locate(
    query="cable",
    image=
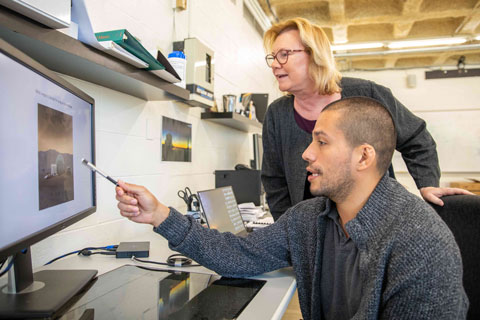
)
(8, 266)
(175, 260)
(86, 252)
(112, 248)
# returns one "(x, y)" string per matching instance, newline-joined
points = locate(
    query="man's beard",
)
(338, 187)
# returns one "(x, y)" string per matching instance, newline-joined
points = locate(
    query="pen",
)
(92, 167)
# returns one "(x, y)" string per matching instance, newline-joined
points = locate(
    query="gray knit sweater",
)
(283, 169)
(410, 264)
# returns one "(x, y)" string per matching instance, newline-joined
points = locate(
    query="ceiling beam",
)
(340, 34)
(390, 62)
(337, 13)
(395, 18)
(442, 58)
(470, 24)
(337, 10)
(402, 29)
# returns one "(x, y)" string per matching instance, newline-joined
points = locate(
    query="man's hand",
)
(139, 205)
(433, 194)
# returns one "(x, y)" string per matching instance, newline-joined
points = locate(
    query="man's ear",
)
(365, 157)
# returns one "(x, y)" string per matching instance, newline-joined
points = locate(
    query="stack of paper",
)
(250, 212)
(122, 54)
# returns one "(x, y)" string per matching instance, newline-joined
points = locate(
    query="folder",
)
(124, 39)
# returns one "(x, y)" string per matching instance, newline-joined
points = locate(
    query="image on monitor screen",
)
(46, 128)
(55, 157)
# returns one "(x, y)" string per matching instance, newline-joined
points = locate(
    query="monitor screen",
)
(45, 132)
(46, 128)
(221, 210)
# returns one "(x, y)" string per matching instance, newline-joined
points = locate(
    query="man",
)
(302, 62)
(363, 248)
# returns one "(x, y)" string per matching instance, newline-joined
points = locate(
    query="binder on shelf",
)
(128, 42)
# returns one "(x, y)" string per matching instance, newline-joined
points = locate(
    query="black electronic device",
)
(46, 128)
(132, 292)
(242, 166)
(133, 249)
(257, 151)
(260, 101)
(246, 184)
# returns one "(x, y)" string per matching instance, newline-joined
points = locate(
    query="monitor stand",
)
(39, 295)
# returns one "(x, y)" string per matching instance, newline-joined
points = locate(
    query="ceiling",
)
(360, 21)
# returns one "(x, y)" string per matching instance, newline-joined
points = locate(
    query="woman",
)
(303, 64)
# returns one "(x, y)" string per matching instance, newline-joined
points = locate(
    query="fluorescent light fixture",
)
(357, 46)
(425, 42)
(477, 37)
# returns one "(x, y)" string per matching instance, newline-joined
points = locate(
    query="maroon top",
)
(304, 124)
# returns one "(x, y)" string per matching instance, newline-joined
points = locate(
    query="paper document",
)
(250, 212)
(122, 54)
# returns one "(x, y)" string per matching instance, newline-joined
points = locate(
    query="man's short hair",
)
(366, 120)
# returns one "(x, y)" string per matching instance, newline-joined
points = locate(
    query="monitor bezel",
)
(38, 68)
(257, 151)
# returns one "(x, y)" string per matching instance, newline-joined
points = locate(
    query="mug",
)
(229, 102)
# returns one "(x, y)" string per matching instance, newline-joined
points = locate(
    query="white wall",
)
(441, 97)
(123, 148)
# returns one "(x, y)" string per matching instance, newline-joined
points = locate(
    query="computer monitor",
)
(246, 184)
(46, 128)
(221, 210)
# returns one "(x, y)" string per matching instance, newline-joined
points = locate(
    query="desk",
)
(270, 302)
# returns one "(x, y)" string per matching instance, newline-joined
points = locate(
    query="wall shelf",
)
(233, 120)
(61, 53)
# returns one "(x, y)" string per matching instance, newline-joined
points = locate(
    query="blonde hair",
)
(322, 68)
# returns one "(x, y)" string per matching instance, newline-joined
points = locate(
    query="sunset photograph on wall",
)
(176, 140)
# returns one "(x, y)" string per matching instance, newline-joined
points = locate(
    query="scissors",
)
(187, 196)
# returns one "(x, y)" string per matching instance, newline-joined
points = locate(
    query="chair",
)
(462, 215)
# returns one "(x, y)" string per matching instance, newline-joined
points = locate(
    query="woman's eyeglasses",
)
(281, 56)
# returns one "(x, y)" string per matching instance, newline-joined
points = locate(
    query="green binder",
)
(124, 39)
